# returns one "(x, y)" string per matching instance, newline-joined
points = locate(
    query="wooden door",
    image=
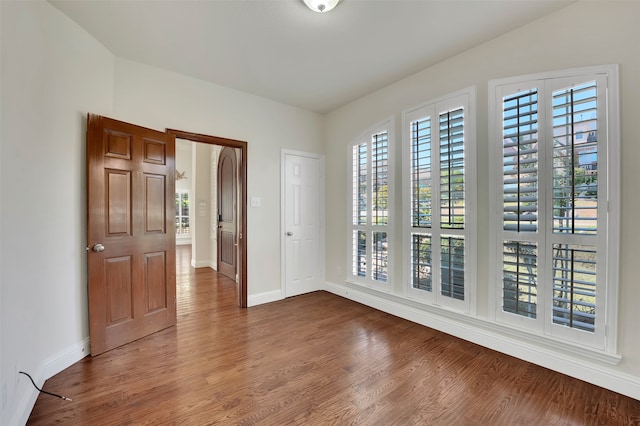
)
(302, 204)
(130, 232)
(227, 213)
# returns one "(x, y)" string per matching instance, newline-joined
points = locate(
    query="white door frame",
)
(283, 230)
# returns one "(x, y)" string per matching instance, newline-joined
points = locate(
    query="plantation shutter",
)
(369, 242)
(574, 253)
(421, 203)
(380, 200)
(520, 162)
(436, 144)
(359, 215)
(520, 193)
(452, 169)
(551, 261)
(575, 160)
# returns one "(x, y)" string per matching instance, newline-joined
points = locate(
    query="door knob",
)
(98, 248)
(289, 234)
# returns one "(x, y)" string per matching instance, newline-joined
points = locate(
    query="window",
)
(182, 213)
(554, 142)
(369, 219)
(439, 176)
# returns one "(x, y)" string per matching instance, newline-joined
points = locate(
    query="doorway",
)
(199, 205)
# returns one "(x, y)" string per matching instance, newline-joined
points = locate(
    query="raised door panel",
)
(227, 193)
(155, 152)
(118, 199)
(119, 290)
(118, 144)
(155, 281)
(227, 242)
(155, 204)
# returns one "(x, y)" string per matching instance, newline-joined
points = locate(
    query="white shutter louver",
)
(574, 286)
(452, 267)
(360, 184)
(520, 278)
(452, 169)
(575, 160)
(379, 178)
(421, 207)
(520, 162)
(421, 262)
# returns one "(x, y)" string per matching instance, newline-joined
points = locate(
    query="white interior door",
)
(302, 196)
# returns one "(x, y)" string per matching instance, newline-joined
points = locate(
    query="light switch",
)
(255, 202)
(202, 208)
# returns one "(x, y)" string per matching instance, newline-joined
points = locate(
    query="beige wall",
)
(159, 99)
(53, 74)
(584, 33)
(200, 211)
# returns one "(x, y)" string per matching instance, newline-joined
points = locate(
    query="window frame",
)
(369, 228)
(604, 338)
(466, 99)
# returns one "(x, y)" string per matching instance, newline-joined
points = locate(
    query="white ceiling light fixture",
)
(321, 6)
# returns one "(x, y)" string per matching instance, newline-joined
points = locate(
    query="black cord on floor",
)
(44, 391)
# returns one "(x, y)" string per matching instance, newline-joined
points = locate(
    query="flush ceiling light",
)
(321, 5)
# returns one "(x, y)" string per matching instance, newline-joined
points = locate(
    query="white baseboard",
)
(27, 401)
(597, 370)
(66, 358)
(266, 297)
(203, 264)
(46, 370)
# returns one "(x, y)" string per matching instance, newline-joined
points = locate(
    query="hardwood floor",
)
(314, 359)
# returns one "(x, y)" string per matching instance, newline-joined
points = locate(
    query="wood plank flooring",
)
(315, 359)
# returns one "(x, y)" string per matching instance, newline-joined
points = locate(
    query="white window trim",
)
(467, 99)
(387, 125)
(612, 203)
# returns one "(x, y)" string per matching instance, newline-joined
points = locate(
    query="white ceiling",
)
(281, 50)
